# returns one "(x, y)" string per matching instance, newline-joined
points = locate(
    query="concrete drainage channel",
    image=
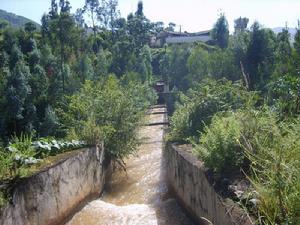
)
(143, 195)
(140, 196)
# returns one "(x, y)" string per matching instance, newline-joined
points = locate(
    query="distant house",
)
(170, 37)
(161, 87)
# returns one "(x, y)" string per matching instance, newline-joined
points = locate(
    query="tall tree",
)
(17, 91)
(45, 28)
(297, 39)
(284, 49)
(171, 27)
(140, 8)
(53, 13)
(79, 19)
(260, 56)
(62, 26)
(143, 64)
(220, 32)
(139, 27)
(158, 27)
(92, 9)
(240, 24)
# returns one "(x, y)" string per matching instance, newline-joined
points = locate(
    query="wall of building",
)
(191, 39)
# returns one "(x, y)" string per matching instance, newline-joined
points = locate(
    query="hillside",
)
(15, 20)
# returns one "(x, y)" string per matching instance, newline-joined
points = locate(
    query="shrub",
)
(271, 146)
(196, 109)
(219, 146)
(284, 94)
(275, 161)
(22, 152)
(6, 161)
(109, 111)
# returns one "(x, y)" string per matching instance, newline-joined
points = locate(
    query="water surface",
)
(139, 196)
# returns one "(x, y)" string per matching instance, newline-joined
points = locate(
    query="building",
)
(161, 87)
(170, 37)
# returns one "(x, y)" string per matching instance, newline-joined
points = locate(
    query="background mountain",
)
(15, 20)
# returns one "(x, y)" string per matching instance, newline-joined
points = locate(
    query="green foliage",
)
(240, 24)
(16, 158)
(284, 95)
(235, 139)
(196, 109)
(139, 27)
(297, 41)
(102, 63)
(6, 161)
(50, 125)
(144, 67)
(15, 56)
(260, 56)
(198, 64)
(220, 32)
(273, 150)
(22, 152)
(174, 66)
(17, 90)
(215, 64)
(108, 111)
(218, 145)
(56, 81)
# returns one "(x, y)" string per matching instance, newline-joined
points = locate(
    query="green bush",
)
(6, 162)
(274, 152)
(219, 144)
(108, 111)
(271, 146)
(196, 109)
(284, 95)
(22, 152)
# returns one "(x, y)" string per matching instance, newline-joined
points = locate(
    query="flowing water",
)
(140, 196)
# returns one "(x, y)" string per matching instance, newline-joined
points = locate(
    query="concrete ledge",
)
(53, 194)
(187, 179)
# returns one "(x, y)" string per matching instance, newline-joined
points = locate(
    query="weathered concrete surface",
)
(186, 177)
(139, 196)
(50, 196)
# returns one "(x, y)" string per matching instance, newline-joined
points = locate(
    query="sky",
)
(190, 15)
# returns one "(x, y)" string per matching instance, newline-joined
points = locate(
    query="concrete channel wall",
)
(187, 180)
(52, 195)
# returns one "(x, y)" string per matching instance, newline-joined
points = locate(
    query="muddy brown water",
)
(140, 196)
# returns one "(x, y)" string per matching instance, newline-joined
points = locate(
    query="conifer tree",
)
(220, 32)
(16, 91)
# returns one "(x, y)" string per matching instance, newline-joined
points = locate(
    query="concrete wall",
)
(53, 194)
(187, 179)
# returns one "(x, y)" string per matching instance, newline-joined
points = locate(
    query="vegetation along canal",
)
(140, 196)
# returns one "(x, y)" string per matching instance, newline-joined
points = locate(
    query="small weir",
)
(140, 196)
